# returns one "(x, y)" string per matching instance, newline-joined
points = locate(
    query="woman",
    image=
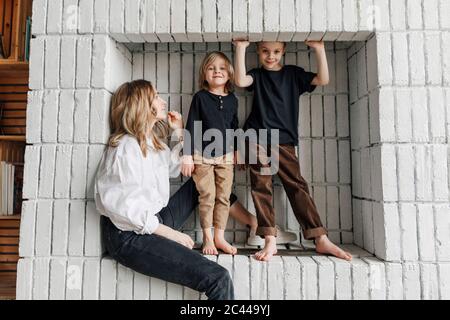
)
(140, 221)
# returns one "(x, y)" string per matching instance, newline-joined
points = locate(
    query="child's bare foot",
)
(270, 248)
(223, 245)
(325, 246)
(209, 248)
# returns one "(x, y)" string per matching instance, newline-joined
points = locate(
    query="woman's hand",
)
(187, 165)
(175, 120)
(171, 234)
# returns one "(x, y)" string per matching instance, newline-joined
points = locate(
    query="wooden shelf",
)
(13, 138)
(13, 217)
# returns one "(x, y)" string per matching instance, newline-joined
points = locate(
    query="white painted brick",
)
(376, 173)
(360, 276)
(47, 171)
(124, 283)
(193, 20)
(341, 72)
(271, 18)
(444, 8)
(381, 18)
(342, 279)
(258, 278)
(309, 278)
(138, 66)
(444, 280)
(326, 275)
(91, 279)
(275, 281)
(43, 228)
(81, 116)
(27, 229)
(50, 116)
(57, 279)
(41, 279)
(433, 66)
(329, 110)
(71, 16)
(334, 20)
(224, 20)
(331, 160)
(99, 119)
(318, 153)
(60, 227)
(132, 20)
(362, 72)
(429, 281)
(117, 18)
(34, 111)
(408, 222)
(39, 17)
(83, 64)
(368, 228)
(445, 43)
(31, 171)
(95, 154)
(178, 23)
(398, 14)
(317, 116)
(400, 58)
(405, 167)
(345, 202)
(37, 51)
(371, 68)
(101, 16)
(305, 117)
(386, 115)
(65, 116)
(416, 58)
(209, 21)
(158, 289)
(374, 117)
(287, 20)
(411, 281)
(349, 19)
(440, 172)
(419, 115)
(403, 115)
(175, 73)
(24, 279)
(241, 277)
(92, 238)
(305, 159)
(394, 284)
(86, 16)
(320, 198)
(62, 175)
(162, 76)
(54, 16)
(52, 60)
(292, 278)
(364, 138)
(239, 25)
(353, 79)
(426, 227)
(390, 232)
(366, 13)
(108, 278)
(356, 174)
(414, 14)
(384, 66)
(442, 232)
(141, 286)
(303, 20)
(357, 222)
(342, 116)
(76, 228)
(74, 278)
(437, 114)
(318, 19)
(377, 278)
(424, 173)
(148, 21)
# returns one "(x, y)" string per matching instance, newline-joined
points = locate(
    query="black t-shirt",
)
(215, 112)
(276, 100)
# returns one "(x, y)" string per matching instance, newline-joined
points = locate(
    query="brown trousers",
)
(214, 181)
(296, 189)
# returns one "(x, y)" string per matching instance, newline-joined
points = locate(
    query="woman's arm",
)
(240, 74)
(322, 77)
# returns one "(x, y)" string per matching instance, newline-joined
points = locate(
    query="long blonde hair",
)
(132, 113)
(210, 58)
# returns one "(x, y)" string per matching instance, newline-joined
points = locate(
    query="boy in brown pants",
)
(277, 89)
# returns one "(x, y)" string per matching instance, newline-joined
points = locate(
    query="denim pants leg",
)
(165, 259)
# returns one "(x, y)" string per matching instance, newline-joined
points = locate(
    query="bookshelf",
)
(15, 27)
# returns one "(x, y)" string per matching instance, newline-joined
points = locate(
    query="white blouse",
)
(130, 188)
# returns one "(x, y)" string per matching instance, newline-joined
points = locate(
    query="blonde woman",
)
(140, 221)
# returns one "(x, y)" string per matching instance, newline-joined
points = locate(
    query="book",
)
(1, 188)
(11, 189)
(18, 186)
(4, 168)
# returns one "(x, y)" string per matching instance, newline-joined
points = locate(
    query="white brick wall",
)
(373, 143)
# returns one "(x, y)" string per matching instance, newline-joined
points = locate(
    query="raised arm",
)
(240, 74)
(323, 76)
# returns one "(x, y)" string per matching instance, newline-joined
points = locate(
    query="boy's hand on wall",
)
(241, 43)
(315, 44)
(187, 165)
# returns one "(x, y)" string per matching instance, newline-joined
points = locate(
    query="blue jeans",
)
(159, 257)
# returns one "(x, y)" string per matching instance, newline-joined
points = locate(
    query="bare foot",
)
(209, 248)
(270, 248)
(325, 246)
(223, 245)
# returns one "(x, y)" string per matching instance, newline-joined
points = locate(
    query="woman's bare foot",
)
(222, 244)
(270, 248)
(325, 246)
(208, 247)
